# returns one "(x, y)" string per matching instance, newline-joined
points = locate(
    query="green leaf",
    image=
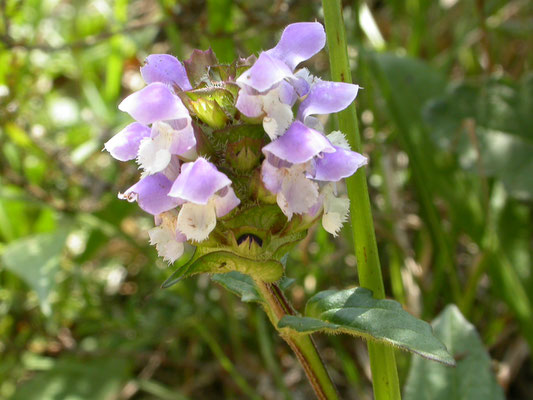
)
(409, 82)
(489, 124)
(76, 379)
(220, 262)
(356, 312)
(244, 286)
(239, 284)
(472, 379)
(35, 259)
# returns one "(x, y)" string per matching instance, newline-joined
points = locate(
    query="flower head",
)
(231, 153)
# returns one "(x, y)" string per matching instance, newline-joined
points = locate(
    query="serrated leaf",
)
(35, 260)
(356, 312)
(472, 379)
(221, 262)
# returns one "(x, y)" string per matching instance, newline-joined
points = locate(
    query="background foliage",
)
(447, 119)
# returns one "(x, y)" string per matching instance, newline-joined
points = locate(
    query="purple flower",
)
(297, 160)
(186, 193)
(206, 193)
(171, 133)
(270, 87)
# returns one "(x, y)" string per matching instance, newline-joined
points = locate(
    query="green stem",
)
(277, 306)
(382, 359)
(225, 362)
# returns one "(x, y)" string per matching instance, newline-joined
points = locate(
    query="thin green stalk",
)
(444, 263)
(382, 358)
(276, 306)
(265, 346)
(226, 363)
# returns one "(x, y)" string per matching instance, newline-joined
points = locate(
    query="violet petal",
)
(335, 166)
(251, 105)
(226, 201)
(327, 97)
(155, 102)
(299, 144)
(166, 69)
(298, 194)
(198, 181)
(299, 42)
(184, 139)
(266, 72)
(124, 145)
(271, 176)
(151, 193)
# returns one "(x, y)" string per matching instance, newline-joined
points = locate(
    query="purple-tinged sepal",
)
(198, 66)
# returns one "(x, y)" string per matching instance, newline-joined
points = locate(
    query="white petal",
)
(278, 114)
(166, 243)
(336, 211)
(298, 194)
(155, 151)
(279, 118)
(162, 128)
(153, 156)
(196, 221)
(338, 139)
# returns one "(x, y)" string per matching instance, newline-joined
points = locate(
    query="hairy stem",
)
(382, 358)
(276, 306)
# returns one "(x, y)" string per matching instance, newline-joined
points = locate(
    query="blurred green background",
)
(447, 121)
